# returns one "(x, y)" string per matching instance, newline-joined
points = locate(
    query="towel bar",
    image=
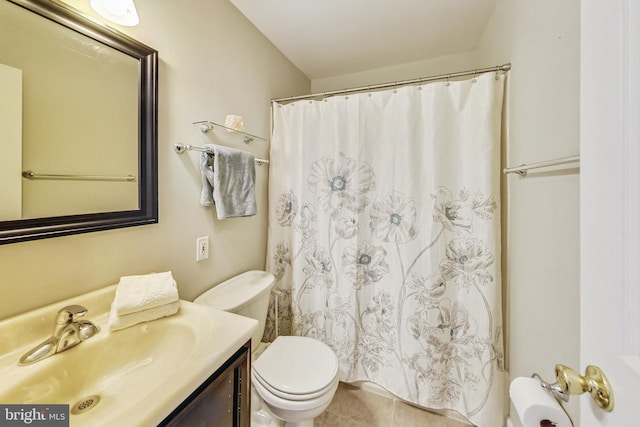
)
(32, 175)
(181, 148)
(522, 169)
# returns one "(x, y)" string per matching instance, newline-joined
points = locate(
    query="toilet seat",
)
(296, 368)
(289, 396)
(306, 408)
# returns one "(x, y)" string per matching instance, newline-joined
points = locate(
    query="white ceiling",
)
(326, 38)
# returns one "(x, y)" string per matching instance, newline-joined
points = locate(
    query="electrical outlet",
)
(202, 250)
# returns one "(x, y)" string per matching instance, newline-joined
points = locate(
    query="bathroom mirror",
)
(78, 124)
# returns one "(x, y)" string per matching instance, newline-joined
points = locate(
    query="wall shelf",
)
(207, 125)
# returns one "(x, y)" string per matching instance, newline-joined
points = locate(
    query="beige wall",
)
(213, 62)
(541, 41)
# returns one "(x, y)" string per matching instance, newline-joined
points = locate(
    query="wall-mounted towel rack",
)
(181, 148)
(207, 125)
(522, 169)
(32, 175)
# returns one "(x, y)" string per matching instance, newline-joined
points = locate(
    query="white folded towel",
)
(228, 181)
(137, 293)
(117, 322)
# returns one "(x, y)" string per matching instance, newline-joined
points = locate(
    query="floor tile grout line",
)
(393, 413)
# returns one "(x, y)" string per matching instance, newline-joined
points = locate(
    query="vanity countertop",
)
(140, 373)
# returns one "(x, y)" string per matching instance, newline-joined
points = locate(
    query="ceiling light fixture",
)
(121, 12)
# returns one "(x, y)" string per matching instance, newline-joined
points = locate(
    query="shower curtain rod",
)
(503, 67)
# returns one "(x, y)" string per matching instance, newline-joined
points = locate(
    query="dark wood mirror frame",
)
(147, 213)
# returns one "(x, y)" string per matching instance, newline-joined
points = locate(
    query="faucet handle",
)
(70, 314)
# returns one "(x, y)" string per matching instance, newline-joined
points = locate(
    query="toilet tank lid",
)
(236, 291)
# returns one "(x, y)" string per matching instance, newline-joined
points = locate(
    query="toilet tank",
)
(246, 294)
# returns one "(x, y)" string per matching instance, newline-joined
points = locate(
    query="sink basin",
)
(135, 376)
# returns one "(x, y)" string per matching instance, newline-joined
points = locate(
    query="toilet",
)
(295, 378)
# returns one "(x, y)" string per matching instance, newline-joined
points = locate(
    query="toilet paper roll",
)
(535, 406)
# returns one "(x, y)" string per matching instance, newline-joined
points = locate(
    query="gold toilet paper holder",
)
(594, 381)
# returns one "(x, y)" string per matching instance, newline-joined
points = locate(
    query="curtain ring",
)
(448, 83)
(497, 73)
(473, 80)
(369, 90)
(420, 83)
(346, 94)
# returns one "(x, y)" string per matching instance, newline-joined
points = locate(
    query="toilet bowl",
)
(295, 378)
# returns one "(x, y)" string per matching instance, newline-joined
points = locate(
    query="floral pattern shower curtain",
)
(384, 238)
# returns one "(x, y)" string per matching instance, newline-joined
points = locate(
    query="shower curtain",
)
(384, 238)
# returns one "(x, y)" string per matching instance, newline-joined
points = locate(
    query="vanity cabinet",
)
(223, 400)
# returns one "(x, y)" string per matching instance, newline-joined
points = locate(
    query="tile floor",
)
(354, 407)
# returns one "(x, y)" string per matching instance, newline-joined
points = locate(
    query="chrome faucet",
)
(67, 332)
